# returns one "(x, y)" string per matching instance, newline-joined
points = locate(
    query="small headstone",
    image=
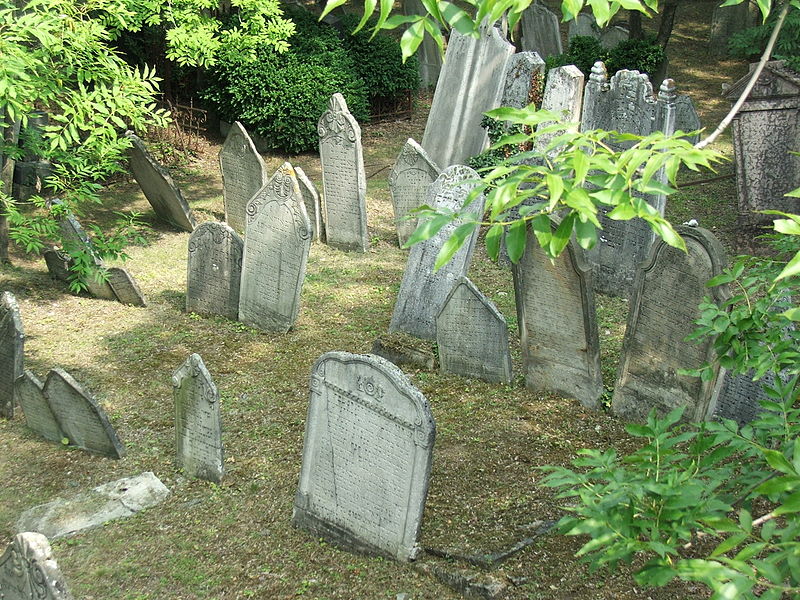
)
(472, 335)
(540, 31)
(344, 181)
(36, 408)
(198, 430)
(243, 174)
(411, 177)
(524, 79)
(28, 570)
(58, 264)
(686, 117)
(403, 349)
(313, 205)
(737, 397)
(125, 287)
(366, 458)
(12, 343)
(563, 94)
(214, 270)
(76, 241)
(583, 25)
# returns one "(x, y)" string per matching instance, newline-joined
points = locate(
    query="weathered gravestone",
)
(524, 80)
(125, 287)
(411, 177)
(12, 343)
(422, 292)
(38, 414)
(470, 83)
(557, 323)
(670, 285)
(158, 186)
(563, 94)
(540, 31)
(366, 458)
(58, 263)
(82, 419)
(472, 335)
(214, 270)
(737, 397)
(313, 205)
(28, 570)
(275, 254)
(344, 183)
(428, 55)
(686, 117)
(198, 430)
(727, 21)
(243, 174)
(583, 25)
(77, 242)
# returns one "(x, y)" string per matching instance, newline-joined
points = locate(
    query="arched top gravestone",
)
(12, 342)
(214, 270)
(540, 31)
(411, 177)
(29, 571)
(243, 174)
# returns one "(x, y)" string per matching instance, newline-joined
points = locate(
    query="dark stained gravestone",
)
(125, 287)
(524, 79)
(28, 570)
(58, 263)
(214, 271)
(366, 457)
(36, 408)
(243, 174)
(313, 205)
(12, 344)
(411, 177)
(540, 31)
(737, 397)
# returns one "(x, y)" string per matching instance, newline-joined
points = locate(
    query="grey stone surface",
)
(125, 287)
(82, 419)
(524, 79)
(583, 25)
(58, 263)
(557, 323)
(611, 37)
(275, 254)
(198, 428)
(87, 510)
(243, 174)
(540, 31)
(28, 570)
(36, 408)
(470, 83)
(411, 177)
(686, 117)
(725, 22)
(472, 335)
(158, 186)
(214, 270)
(12, 345)
(366, 458)
(30, 178)
(430, 60)
(344, 183)
(404, 349)
(737, 397)
(313, 204)
(422, 292)
(563, 94)
(670, 285)
(76, 241)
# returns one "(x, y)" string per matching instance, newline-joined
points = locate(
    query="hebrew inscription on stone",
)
(243, 174)
(411, 178)
(214, 271)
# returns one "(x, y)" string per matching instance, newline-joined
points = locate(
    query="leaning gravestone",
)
(276, 250)
(313, 205)
(412, 176)
(158, 186)
(214, 270)
(472, 335)
(12, 343)
(563, 94)
(243, 174)
(428, 55)
(524, 80)
(423, 291)
(540, 31)
(76, 241)
(366, 458)
(344, 183)
(28, 570)
(670, 285)
(737, 397)
(38, 414)
(198, 431)
(125, 287)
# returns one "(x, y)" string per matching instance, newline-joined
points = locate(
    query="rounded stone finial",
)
(668, 90)
(599, 73)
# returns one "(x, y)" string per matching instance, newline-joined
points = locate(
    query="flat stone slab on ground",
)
(28, 570)
(403, 349)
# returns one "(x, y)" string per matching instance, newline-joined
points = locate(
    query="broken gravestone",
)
(125, 287)
(214, 271)
(243, 174)
(38, 414)
(12, 342)
(28, 570)
(411, 178)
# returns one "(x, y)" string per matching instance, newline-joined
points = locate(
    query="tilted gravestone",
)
(158, 187)
(563, 94)
(524, 80)
(411, 177)
(36, 408)
(276, 250)
(12, 343)
(670, 286)
(125, 287)
(198, 429)
(28, 570)
(428, 55)
(344, 183)
(76, 241)
(366, 457)
(472, 335)
(313, 205)
(214, 271)
(422, 292)
(243, 174)
(540, 31)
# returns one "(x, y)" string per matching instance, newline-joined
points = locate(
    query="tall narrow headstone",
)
(686, 117)
(670, 286)
(36, 408)
(28, 570)
(344, 182)
(198, 429)
(313, 205)
(214, 270)
(12, 342)
(422, 292)
(524, 80)
(540, 31)
(411, 177)
(243, 174)
(366, 457)
(275, 254)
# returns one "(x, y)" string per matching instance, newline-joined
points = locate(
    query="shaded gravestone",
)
(12, 344)
(214, 270)
(540, 31)
(58, 264)
(524, 80)
(737, 397)
(686, 117)
(77, 242)
(158, 186)
(470, 84)
(28, 570)
(727, 21)
(422, 292)
(313, 205)
(30, 178)
(82, 419)
(611, 37)
(411, 177)
(428, 55)
(366, 457)
(563, 94)
(38, 415)
(276, 250)
(344, 183)
(670, 285)
(472, 335)
(243, 174)
(198, 429)
(125, 287)
(583, 25)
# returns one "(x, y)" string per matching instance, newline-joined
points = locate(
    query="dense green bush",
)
(583, 52)
(751, 42)
(644, 55)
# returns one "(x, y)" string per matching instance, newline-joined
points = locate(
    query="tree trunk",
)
(667, 22)
(635, 25)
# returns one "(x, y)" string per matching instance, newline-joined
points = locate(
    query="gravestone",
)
(670, 285)
(611, 37)
(344, 183)
(58, 263)
(411, 177)
(82, 419)
(422, 292)
(76, 241)
(36, 408)
(366, 457)
(158, 186)
(428, 56)
(524, 80)
(583, 25)
(563, 94)
(727, 21)
(214, 271)
(557, 323)
(686, 117)
(12, 343)
(276, 250)
(471, 82)
(313, 205)
(198, 430)
(125, 287)
(28, 570)
(243, 174)
(472, 335)
(737, 397)
(540, 31)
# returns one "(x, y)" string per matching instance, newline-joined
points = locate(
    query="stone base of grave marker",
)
(402, 349)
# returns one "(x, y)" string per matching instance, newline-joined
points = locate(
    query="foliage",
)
(751, 42)
(496, 129)
(583, 52)
(644, 55)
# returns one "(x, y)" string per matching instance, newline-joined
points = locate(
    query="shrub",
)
(644, 55)
(583, 52)
(751, 42)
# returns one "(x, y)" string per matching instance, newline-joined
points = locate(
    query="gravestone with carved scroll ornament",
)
(12, 343)
(412, 175)
(243, 174)
(313, 204)
(214, 270)
(28, 570)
